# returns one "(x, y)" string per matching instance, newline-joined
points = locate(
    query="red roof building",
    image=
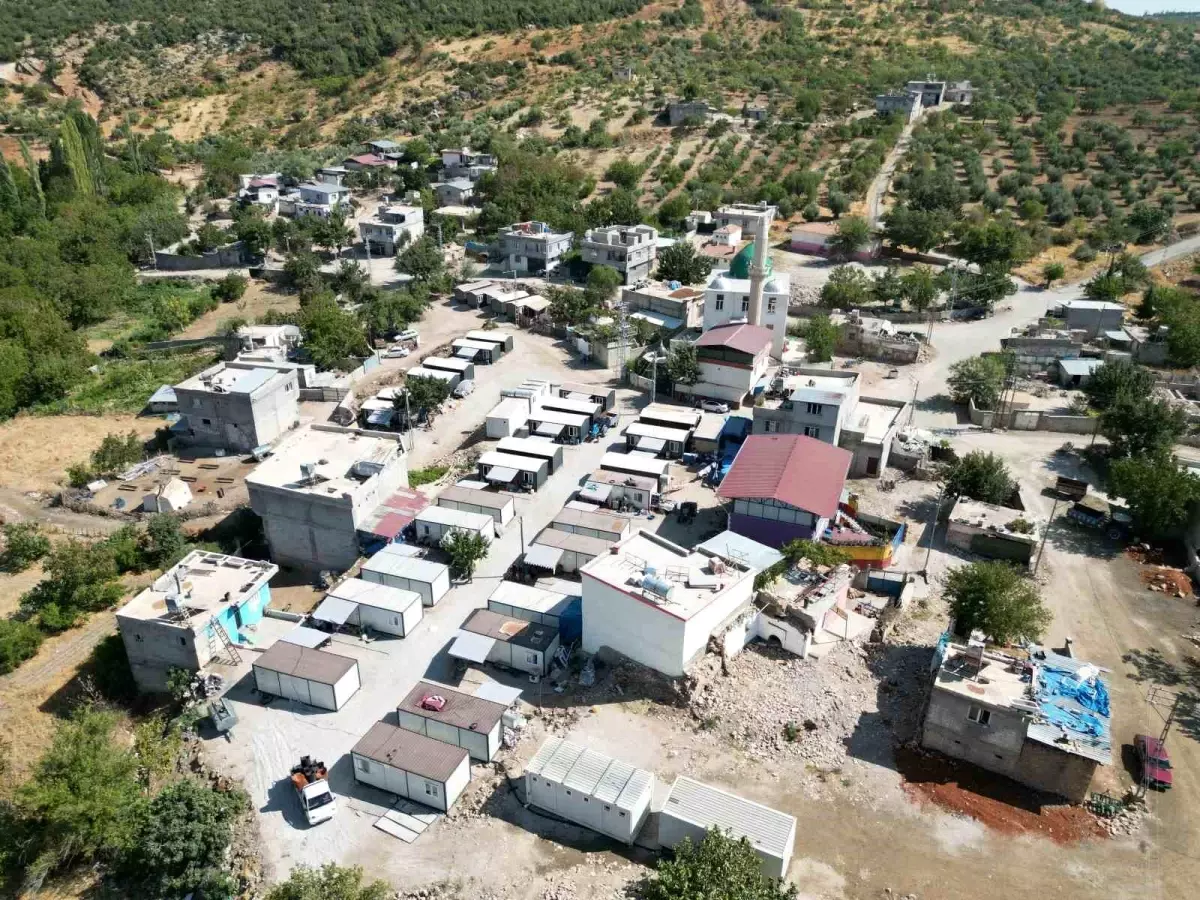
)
(749, 339)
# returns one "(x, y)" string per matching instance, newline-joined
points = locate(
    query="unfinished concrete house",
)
(192, 614)
(319, 486)
(238, 409)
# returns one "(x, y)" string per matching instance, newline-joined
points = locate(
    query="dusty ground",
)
(260, 297)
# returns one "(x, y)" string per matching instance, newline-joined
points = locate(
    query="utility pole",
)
(933, 532)
(521, 526)
(1045, 534)
(153, 257)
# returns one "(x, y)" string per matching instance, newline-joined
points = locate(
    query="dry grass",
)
(260, 297)
(36, 450)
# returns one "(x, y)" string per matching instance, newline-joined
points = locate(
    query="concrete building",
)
(487, 636)
(236, 409)
(309, 676)
(960, 92)
(410, 765)
(1075, 373)
(589, 789)
(745, 215)
(727, 298)
(453, 717)
(1092, 316)
(455, 192)
(534, 247)
(686, 112)
(392, 228)
(318, 487)
(321, 198)
(728, 235)
(274, 341)
(669, 306)
(462, 162)
(630, 249)
(658, 603)
(693, 809)
(985, 529)
(784, 487)
(335, 175)
(191, 613)
(260, 190)
(904, 102)
(1038, 718)
(733, 359)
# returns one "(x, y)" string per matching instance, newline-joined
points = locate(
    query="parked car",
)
(1153, 763)
(408, 336)
(397, 352)
(714, 406)
(464, 389)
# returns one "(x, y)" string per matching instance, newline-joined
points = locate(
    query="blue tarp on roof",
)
(1090, 694)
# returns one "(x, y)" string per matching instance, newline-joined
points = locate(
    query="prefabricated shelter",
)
(502, 339)
(476, 351)
(451, 378)
(707, 436)
(589, 789)
(170, 496)
(535, 449)
(461, 367)
(592, 524)
(411, 765)
(657, 439)
(638, 464)
(580, 406)
(540, 606)
(316, 677)
(560, 426)
(619, 490)
(513, 472)
(380, 607)
(435, 522)
(507, 417)
(670, 416)
(693, 809)
(396, 569)
(487, 636)
(554, 550)
(597, 393)
(500, 507)
(463, 720)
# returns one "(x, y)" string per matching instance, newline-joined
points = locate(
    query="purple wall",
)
(771, 533)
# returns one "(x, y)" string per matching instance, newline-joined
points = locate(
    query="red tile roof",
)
(790, 468)
(368, 159)
(751, 339)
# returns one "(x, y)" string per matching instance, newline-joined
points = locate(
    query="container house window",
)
(980, 715)
(431, 789)
(531, 658)
(363, 764)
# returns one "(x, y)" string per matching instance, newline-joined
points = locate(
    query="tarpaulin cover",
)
(1090, 693)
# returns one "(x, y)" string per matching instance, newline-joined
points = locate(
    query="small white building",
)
(501, 507)
(589, 789)
(395, 568)
(451, 378)
(315, 677)
(693, 809)
(533, 604)
(322, 199)
(453, 717)
(728, 235)
(534, 448)
(487, 636)
(464, 369)
(436, 522)
(641, 464)
(411, 765)
(169, 497)
(619, 490)
(556, 550)
(511, 472)
(392, 228)
(508, 417)
(593, 524)
(380, 607)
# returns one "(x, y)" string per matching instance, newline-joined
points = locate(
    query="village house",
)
(687, 112)
(668, 306)
(466, 163)
(733, 360)
(534, 247)
(321, 199)
(236, 409)
(454, 192)
(262, 191)
(367, 161)
(630, 249)
(392, 228)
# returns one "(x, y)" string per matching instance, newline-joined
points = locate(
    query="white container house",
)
(411, 765)
(381, 608)
(464, 720)
(315, 677)
(561, 550)
(487, 636)
(460, 367)
(396, 568)
(591, 524)
(501, 507)
(435, 522)
(533, 604)
(638, 464)
(501, 339)
(507, 417)
(535, 449)
(513, 472)
(589, 788)
(692, 809)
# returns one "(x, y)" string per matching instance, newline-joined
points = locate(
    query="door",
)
(872, 465)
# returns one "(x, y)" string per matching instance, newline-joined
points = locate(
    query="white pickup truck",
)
(312, 788)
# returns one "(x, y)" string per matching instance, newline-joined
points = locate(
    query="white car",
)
(464, 389)
(397, 352)
(411, 336)
(714, 406)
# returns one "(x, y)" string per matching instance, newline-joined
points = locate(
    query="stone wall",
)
(1031, 420)
(1047, 769)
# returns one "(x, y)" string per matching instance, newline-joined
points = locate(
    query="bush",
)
(980, 476)
(719, 866)
(428, 475)
(995, 598)
(24, 544)
(19, 641)
(466, 549)
(230, 288)
(978, 378)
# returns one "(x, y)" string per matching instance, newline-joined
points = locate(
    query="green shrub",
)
(18, 642)
(428, 475)
(24, 544)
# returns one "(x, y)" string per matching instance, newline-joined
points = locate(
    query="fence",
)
(1031, 420)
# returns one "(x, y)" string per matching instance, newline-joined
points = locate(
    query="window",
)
(182, 642)
(206, 421)
(363, 764)
(531, 658)
(770, 304)
(720, 304)
(720, 298)
(812, 431)
(815, 409)
(622, 814)
(431, 789)
(138, 638)
(980, 715)
(195, 403)
(745, 304)
(771, 427)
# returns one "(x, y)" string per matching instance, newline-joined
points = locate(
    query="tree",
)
(117, 453)
(568, 306)
(847, 286)
(184, 833)
(852, 233)
(163, 543)
(681, 262)
(423, 260)
(1148, 223)
(720, 866)
(386, 312)
(1160, 494)
(995, 598)
(303, 272)
(918, 287)
(922, 230)
(980, 476)
(998, 241)
(886, 287)
(978, 378)
(820, 338)
(330, 882)
(1142, 427)
(230, 288)
(19, 641)
(602, 283)
(838, 203)
(466, 549)
(682, 364)
(1053, 272)
(623, 173)
(1116, 379)
(79, 579)
(331, 335)
(425, 393)
(24, 544)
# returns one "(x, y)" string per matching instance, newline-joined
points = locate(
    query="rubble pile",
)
(1128, 821)
(1164, 580)
(488, 785)
(773, 703)
(804, 295)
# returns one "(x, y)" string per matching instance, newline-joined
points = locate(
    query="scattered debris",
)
(1165, 580)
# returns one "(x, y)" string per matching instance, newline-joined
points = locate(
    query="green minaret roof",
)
(740, 267)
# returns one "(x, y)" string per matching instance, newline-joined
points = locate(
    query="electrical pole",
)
(933, 532)
(1045, 534)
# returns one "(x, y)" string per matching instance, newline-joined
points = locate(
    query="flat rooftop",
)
(204, 584)
(991, 678)
(460, 710)
(989, 517)
(509, 630)
(223, 380)
(696, 580)
(624, 479)
(874, 419)
(341, 460)
(527, 596)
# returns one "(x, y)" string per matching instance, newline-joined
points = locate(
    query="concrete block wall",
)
(1047, 769)
(995, 747)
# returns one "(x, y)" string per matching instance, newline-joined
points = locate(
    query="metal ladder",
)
(218, 640)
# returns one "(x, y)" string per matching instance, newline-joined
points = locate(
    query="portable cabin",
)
(411, 573)
(511, 472)
(539, 605)
(411, 765)
(451, 378)
(534, 448)
(638, 464)
(570, 428)
(707, 436)
(589, 789)
(453, 717)
(462, 368)
(597, 393)
(502, 339)
(435, 522)
(592, 524)
(578, 406)
(315, 677)
(469, 292)
(380, 607)
(476, 351)
(670, 416)
(556, 550)
(620, 490)
(507, 417)
(657, 439)
(500, 507)
(693, 809)
(487, 636)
